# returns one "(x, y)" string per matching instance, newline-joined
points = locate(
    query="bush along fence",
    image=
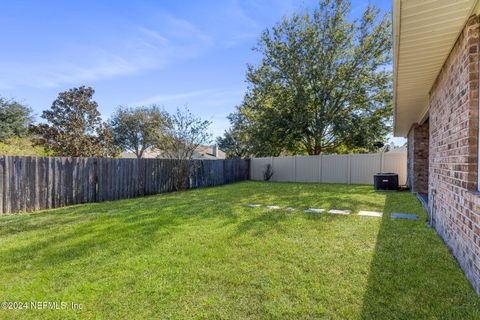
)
(343, 168)
(33, 183)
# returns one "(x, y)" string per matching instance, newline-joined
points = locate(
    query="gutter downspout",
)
(396, 7)
(431, 212)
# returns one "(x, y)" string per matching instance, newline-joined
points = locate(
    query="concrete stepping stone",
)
(313, 210)
(254, 205)
(273, 207)
(370, 213)
(396, 215)
(342, 212)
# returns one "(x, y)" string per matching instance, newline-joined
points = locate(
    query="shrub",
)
(268, 173)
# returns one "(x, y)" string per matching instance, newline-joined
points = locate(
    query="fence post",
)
(349, 168)
(382, 160)
(320, 168)
(295, 168)
(250, 168)
(6, 185)
(2, 161)
(271, 163)
(95, 180)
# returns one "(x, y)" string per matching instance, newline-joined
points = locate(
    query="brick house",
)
(436, 106)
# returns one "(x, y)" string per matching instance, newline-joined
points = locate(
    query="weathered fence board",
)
(33, 183)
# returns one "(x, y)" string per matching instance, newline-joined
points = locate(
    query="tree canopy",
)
(183, 135)
(74, 127)
(235, 141)
(137, 129)
(15, 119)
(322, 85)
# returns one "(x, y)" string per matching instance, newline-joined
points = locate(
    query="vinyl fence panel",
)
(285, 168)
(363, 167)
(257, 170)
(396, 162)
(307, 168)
(335, 169)
(351, 168)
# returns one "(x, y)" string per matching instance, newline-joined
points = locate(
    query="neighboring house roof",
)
(202, 152)
(424, 33)
(208, 152)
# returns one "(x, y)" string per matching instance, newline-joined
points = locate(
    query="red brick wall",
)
(418, 142)
(453, 152)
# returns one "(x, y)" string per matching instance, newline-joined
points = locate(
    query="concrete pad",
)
(273, 207)
(370, 213)
(396, 215)
(254, 205)
(312, 210)
(342, 212)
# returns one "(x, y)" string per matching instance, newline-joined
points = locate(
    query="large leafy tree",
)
(74, 127)
(15, 119)
(235, 141)
(137, 129)
(233, 144)
(322, 85)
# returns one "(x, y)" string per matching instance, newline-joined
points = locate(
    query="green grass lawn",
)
(205, 254)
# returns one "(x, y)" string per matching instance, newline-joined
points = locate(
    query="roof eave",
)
(417, 81)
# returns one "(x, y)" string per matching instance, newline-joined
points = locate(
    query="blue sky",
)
(171, 53)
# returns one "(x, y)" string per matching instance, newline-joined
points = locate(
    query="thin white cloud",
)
(162, 40)
(248, 17)
(142, 49)
(167, 98)
(243, 26)
(211, 104)
(240, 38)
(211, 98)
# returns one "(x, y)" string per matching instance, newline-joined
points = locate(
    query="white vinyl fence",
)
(349, 168)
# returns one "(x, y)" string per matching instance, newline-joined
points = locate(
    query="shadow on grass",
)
(65, 234)
(102, 229)
(262, 224)
(310, 195)
(412, 274)
(88, 239)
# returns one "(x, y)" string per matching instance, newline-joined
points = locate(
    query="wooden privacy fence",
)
(349, 168)
(33, 183)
